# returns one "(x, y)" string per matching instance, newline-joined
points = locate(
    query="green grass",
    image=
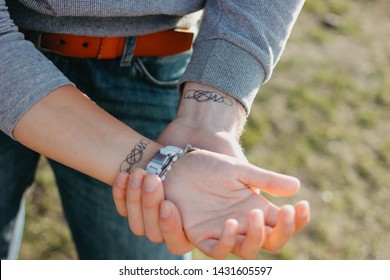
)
(46, 235)
(328, 6)
(324, 117)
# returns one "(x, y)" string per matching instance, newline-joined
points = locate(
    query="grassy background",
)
(324, 117)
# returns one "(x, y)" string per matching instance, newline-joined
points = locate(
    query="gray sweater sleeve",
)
(239, 43)
(26, 75)
(237, 47)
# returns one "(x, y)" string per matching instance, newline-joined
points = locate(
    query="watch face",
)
(160, 159)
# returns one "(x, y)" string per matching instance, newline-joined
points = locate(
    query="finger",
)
(172, 229)
(249, 246)
(267, 181)
(219, 249)
(119, 192)
(302, 215)
(271, 213)
(283, 231)
(152, 196)
(133, 201)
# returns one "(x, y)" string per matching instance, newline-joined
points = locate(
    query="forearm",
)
(68, 127)
(208, 119)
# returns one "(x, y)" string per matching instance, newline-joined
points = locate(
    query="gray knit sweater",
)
(238, 45)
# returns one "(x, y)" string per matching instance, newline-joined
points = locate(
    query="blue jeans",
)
(139, 91)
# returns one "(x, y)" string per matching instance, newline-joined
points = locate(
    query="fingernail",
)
(258, 220)
(121, 180)
(304, 208)
(232, 228)
(165, 211)
(289, 215)
(306, 203)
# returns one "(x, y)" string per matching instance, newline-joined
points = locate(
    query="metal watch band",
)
(163, 160)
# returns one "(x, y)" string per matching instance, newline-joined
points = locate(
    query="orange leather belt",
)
(162, 43)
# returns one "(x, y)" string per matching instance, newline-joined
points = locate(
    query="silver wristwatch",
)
(163, 160)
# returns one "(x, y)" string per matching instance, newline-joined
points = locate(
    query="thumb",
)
(268, 181)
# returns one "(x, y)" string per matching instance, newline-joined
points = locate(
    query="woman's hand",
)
(140, 198)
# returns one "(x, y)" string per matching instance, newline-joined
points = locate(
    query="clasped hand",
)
(211, 201)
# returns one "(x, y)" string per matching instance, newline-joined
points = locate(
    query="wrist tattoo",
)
(205, 96)
(135, 156)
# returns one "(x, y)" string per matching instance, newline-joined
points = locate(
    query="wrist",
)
(139, 155)
(206, 108)
(164, 159)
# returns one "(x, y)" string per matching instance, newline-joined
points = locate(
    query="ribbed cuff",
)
(226, 67)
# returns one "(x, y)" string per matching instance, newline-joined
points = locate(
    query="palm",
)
(209, 224)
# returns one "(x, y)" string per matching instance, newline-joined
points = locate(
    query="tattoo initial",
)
(135, 156)
(205, 96)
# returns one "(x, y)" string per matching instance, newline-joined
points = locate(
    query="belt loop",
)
(128, 52)
(36, 38)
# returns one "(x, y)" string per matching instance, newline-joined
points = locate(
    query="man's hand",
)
(214, 194)
(248, 224)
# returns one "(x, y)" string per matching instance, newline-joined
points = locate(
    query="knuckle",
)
(117, 196)
(149, 205)
(133, 199)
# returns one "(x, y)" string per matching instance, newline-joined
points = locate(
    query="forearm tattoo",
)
(206, 96)
(135, 156)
